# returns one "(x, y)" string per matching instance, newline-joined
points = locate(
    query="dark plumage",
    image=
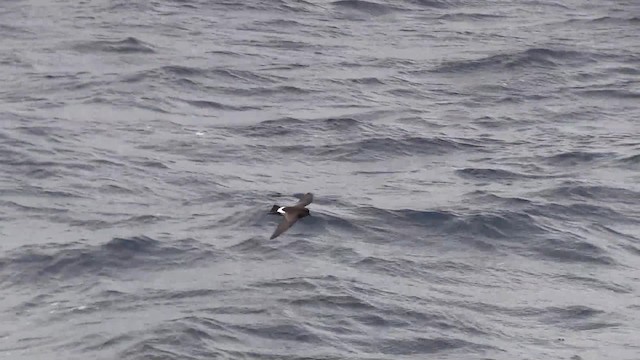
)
(291, 214)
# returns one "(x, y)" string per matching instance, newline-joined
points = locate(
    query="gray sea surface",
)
(475, 166)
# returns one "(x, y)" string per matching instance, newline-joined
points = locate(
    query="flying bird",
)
(291, 214)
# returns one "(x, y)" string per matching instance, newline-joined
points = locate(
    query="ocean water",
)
(475, 166)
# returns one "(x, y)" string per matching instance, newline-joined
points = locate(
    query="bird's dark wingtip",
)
(305, 200)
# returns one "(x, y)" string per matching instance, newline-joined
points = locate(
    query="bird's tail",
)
(274, 210)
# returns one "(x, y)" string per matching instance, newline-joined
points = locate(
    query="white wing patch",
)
(281, 210)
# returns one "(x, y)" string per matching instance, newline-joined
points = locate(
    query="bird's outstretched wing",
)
(304, 201)
(286, 223)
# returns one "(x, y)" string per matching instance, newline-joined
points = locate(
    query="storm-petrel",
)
(291, 214)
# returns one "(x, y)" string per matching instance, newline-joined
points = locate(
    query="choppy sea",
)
(475, 166)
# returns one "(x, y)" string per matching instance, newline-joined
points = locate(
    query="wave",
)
(494, 225)
(592, 282)
(530, 58)
(507, 225)
(129, 7)
(208, 104)
(522, 228)
(576, 317)
(578, 192)
(573, 158)
(289, 126)
(35, 264)
(287, 332)
(368, 7)
(257, 247)
(282, 6)
(186, 337)
(279, 127)
(33, 209)
(196, 76)
(379, 148)
(606, 20)
(391, 267)
(421, 345)
(471, 17)
(570, 250)
(334, 302)
(130, 45)
(293, 284)
(553, 210)
(632, 160)
(437, 4)
(495, 174)
(270, 91)
(488, 199)
(609, 93)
